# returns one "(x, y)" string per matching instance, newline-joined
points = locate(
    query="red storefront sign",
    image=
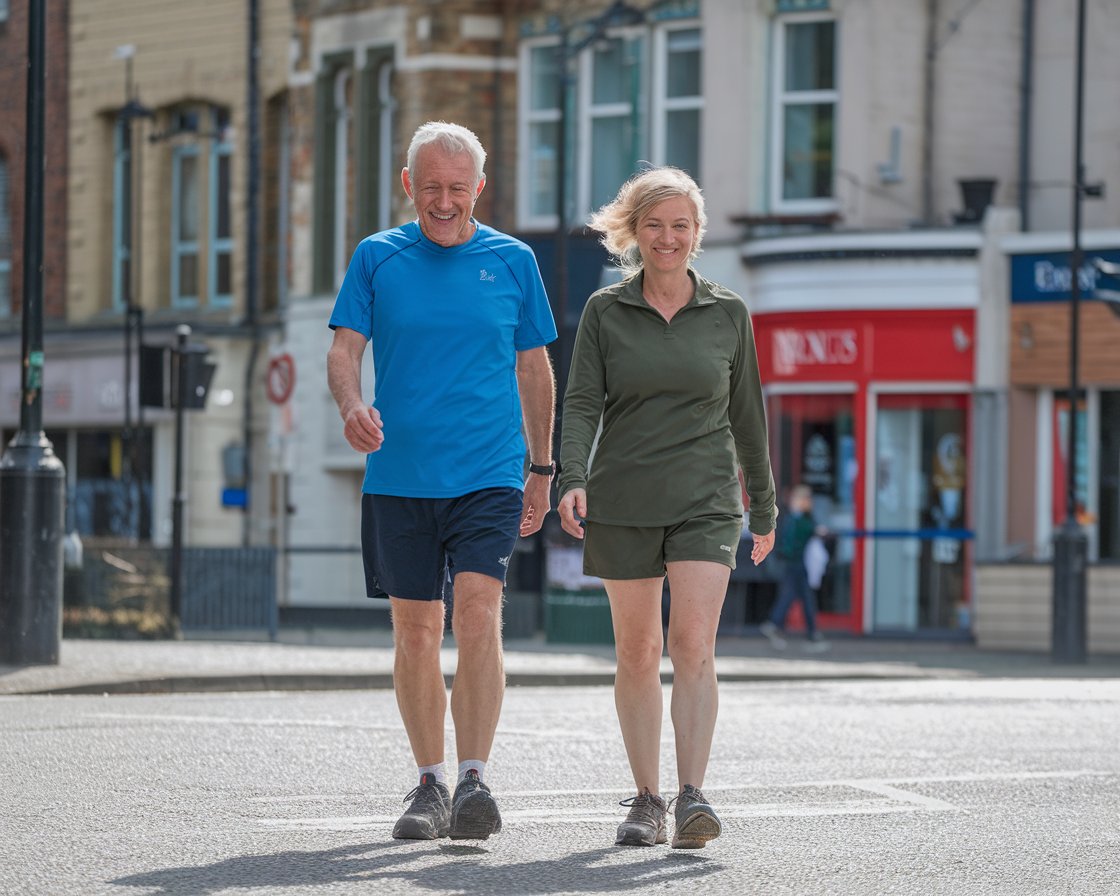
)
(861, 346)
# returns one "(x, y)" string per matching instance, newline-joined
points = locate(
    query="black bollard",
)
(32, 513)
(1069, 620)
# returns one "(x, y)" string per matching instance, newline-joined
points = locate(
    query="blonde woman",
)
(665, 360)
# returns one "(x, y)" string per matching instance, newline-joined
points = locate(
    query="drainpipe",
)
(1026, 90)
(929, 94)
(498, 144)
(252, 256)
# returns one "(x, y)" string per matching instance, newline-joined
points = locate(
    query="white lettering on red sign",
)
(809, 348)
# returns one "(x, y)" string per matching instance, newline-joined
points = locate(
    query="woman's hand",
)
(763, 545)
(573, 509)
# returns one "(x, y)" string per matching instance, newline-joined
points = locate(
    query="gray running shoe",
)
(773, 634)
(696, 821)
(474, 814)
(645, 822)
(428, 818)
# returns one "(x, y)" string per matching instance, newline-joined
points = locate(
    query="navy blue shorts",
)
(412, 546)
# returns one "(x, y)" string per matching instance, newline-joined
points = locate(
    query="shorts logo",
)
(487, 276)
(504, 561)
(725, 547)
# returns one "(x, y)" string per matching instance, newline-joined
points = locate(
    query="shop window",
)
(5, 241)
(804, 113)
(104, 500)
(813, 440)
(605, 121)
(919, 535)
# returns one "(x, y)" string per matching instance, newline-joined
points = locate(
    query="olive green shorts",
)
(641, 552)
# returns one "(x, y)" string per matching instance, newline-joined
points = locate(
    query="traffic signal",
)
(158, 384)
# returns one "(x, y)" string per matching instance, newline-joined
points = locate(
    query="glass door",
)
(919, 529)
(815, 443)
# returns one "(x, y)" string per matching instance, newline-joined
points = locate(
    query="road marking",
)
(543, 733)
(885, 797)
(261, 723)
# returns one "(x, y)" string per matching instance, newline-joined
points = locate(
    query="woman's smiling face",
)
(666, 235)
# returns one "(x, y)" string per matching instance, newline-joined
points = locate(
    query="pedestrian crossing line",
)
(891, 801)
(884, 797)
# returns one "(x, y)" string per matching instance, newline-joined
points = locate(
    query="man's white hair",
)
(452, 137)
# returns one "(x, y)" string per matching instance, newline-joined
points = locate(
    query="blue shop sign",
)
(1045, 276)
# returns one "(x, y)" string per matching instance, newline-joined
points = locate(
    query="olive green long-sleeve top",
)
(681, 409)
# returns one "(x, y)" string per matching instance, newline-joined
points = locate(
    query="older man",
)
(458, 318)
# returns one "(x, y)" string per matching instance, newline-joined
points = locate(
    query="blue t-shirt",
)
(446, 325)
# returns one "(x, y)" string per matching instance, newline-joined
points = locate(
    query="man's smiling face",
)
(443, 188)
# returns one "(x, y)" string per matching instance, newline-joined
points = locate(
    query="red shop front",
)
(871, 409)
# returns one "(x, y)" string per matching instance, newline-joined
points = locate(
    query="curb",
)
(212, 684)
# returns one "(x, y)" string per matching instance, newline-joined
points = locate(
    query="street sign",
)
(280, 380)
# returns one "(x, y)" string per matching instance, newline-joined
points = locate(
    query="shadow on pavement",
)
(444, 868)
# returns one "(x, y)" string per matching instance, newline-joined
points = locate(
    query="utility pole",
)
(32, 478)
(1071, 545)
(179, 393)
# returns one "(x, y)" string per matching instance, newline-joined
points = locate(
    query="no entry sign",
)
(280, 379)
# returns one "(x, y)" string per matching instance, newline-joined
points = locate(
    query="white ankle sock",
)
(440, 771)
(467, 764)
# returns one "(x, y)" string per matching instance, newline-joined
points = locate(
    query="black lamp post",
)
(133, 313)
(32, 478)
(1071, 546)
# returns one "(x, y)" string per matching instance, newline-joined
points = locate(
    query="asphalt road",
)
(893, 787)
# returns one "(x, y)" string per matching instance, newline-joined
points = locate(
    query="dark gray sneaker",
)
(695, 820)
(645, 822)
(428, 818)
(474, 814)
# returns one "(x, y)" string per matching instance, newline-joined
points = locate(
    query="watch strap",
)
(543, 470)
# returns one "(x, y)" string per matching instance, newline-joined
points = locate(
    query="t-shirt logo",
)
(487, 276)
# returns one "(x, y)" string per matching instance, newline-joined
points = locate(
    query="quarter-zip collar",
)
(630, 291)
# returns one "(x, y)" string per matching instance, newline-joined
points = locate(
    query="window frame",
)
(179, 246)
(121, 253)
(220, 148)
(647, 111)
(526, 118)
(664, 104)
(589, 112)
(781, 98)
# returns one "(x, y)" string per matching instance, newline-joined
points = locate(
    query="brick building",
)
(13, 125)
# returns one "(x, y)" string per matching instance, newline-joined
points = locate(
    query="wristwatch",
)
(543, 470)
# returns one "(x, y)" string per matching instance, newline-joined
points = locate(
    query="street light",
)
(133, 312)
(1071, 546)
(32, 478)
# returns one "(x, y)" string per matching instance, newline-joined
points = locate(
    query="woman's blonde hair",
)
(618, 220)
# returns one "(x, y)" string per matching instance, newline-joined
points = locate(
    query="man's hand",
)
(538, 502)
(573, 509)
(363, 429)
